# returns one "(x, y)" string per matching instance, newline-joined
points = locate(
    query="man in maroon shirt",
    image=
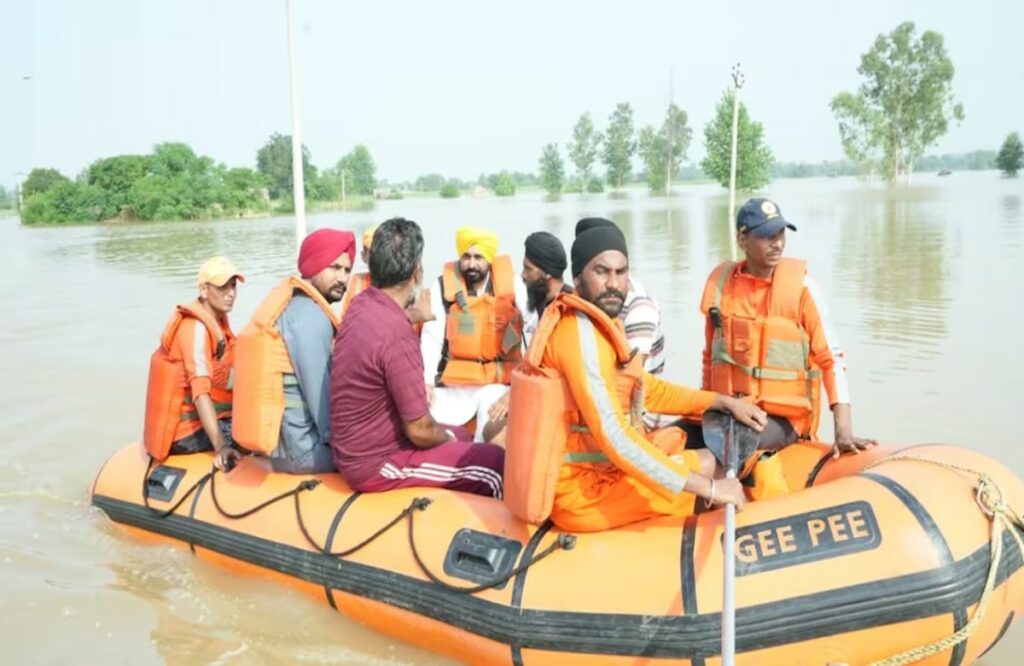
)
(383, 434)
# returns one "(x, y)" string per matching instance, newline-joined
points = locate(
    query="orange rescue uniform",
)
(612, 474)
(357, 284)
(195, 357)
(767, 339)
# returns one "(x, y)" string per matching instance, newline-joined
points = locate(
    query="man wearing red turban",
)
(283, 360)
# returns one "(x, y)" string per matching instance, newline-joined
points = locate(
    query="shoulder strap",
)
(787, 288)
(451, 283)
(564, 305)
(311, 291)
(715, 286)
(503, 277)
(195, 310)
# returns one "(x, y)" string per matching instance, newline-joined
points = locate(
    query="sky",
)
(459, 88)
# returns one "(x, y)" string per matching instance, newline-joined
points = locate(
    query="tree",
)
(504, 186)
(360, 172)
(63, 202)
(40, 180)
(115, 176)
(431, 182)
(274, 160)
(178, 185)
(753, 158)
(552, 169)
(619, 145)
(664, 150)
(449, 191)
(583, 149)
(1011, 156)
(6, 199)
(903, 105)
(243, 190)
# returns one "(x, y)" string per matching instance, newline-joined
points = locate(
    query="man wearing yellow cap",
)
(359, 282)
(188, 400)
(475, 339)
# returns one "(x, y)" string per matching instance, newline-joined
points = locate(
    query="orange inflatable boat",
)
(908, 556)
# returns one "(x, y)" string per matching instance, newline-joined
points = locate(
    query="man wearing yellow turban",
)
(475, 340)
(359, 282)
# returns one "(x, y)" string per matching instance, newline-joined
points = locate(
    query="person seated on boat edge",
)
(283, 360)
(544, 264)
(189, 396)
(769, 337)
(610, 474)
(359, 282)
(475, 338)
(641, 316)
(384, 434)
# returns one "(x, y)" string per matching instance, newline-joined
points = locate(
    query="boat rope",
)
(418, 504)
(991, 500)
(300, 487)
(145, 492)
(563, 542)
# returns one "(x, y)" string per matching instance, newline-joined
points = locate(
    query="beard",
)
(537, 294)
(473, 276)
(610, 301)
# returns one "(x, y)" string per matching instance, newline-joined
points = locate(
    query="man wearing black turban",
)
(544, 264)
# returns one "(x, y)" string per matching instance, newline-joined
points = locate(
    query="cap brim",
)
(772, 227)
(238, 276)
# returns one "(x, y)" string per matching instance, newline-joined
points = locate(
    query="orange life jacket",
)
(763, 355)
(483, 334)
(170, 412)
(357, 284)
(545, 429)
(263, 367)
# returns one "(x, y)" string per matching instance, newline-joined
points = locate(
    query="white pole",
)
(737, 83)
(298, 185)
(728, 583)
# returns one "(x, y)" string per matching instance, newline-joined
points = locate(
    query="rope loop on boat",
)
(992, 503)
(301, 487)
(417, 504)
(145, 492)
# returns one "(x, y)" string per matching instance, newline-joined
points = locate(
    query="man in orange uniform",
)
(188, 401)
(612, 474)
(769, 338)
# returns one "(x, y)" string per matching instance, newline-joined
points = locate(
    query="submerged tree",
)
(663, 150)
(1011, 155)
(753, 158)
(903, 105)
(274, 160)
(583, 149)
(360, 171)
(619, 145)
(552, 169)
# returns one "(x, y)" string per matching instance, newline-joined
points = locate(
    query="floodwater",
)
(923, 284)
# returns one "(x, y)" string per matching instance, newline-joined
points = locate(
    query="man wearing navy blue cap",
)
(769, 338)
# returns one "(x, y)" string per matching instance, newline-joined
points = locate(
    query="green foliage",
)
(595, 185)
(450, 191)
(583, 149)
(63, 202)
(505, 185)
(431, 182)
(115, 176)
(40, 180)
(1011, 155)
(903, 105)
(360, 172)
(753, 158)
(178, 185)
(6, 199)
(244, 191)
(274, 160)
(552, 169)
(664, 150)
(619, 145)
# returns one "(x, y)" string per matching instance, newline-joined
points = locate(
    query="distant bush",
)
(595, 185)
(394, 195)
(64, 202)
(449, 191)
(505, 185)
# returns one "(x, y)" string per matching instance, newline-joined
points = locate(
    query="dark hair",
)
(396, 252)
